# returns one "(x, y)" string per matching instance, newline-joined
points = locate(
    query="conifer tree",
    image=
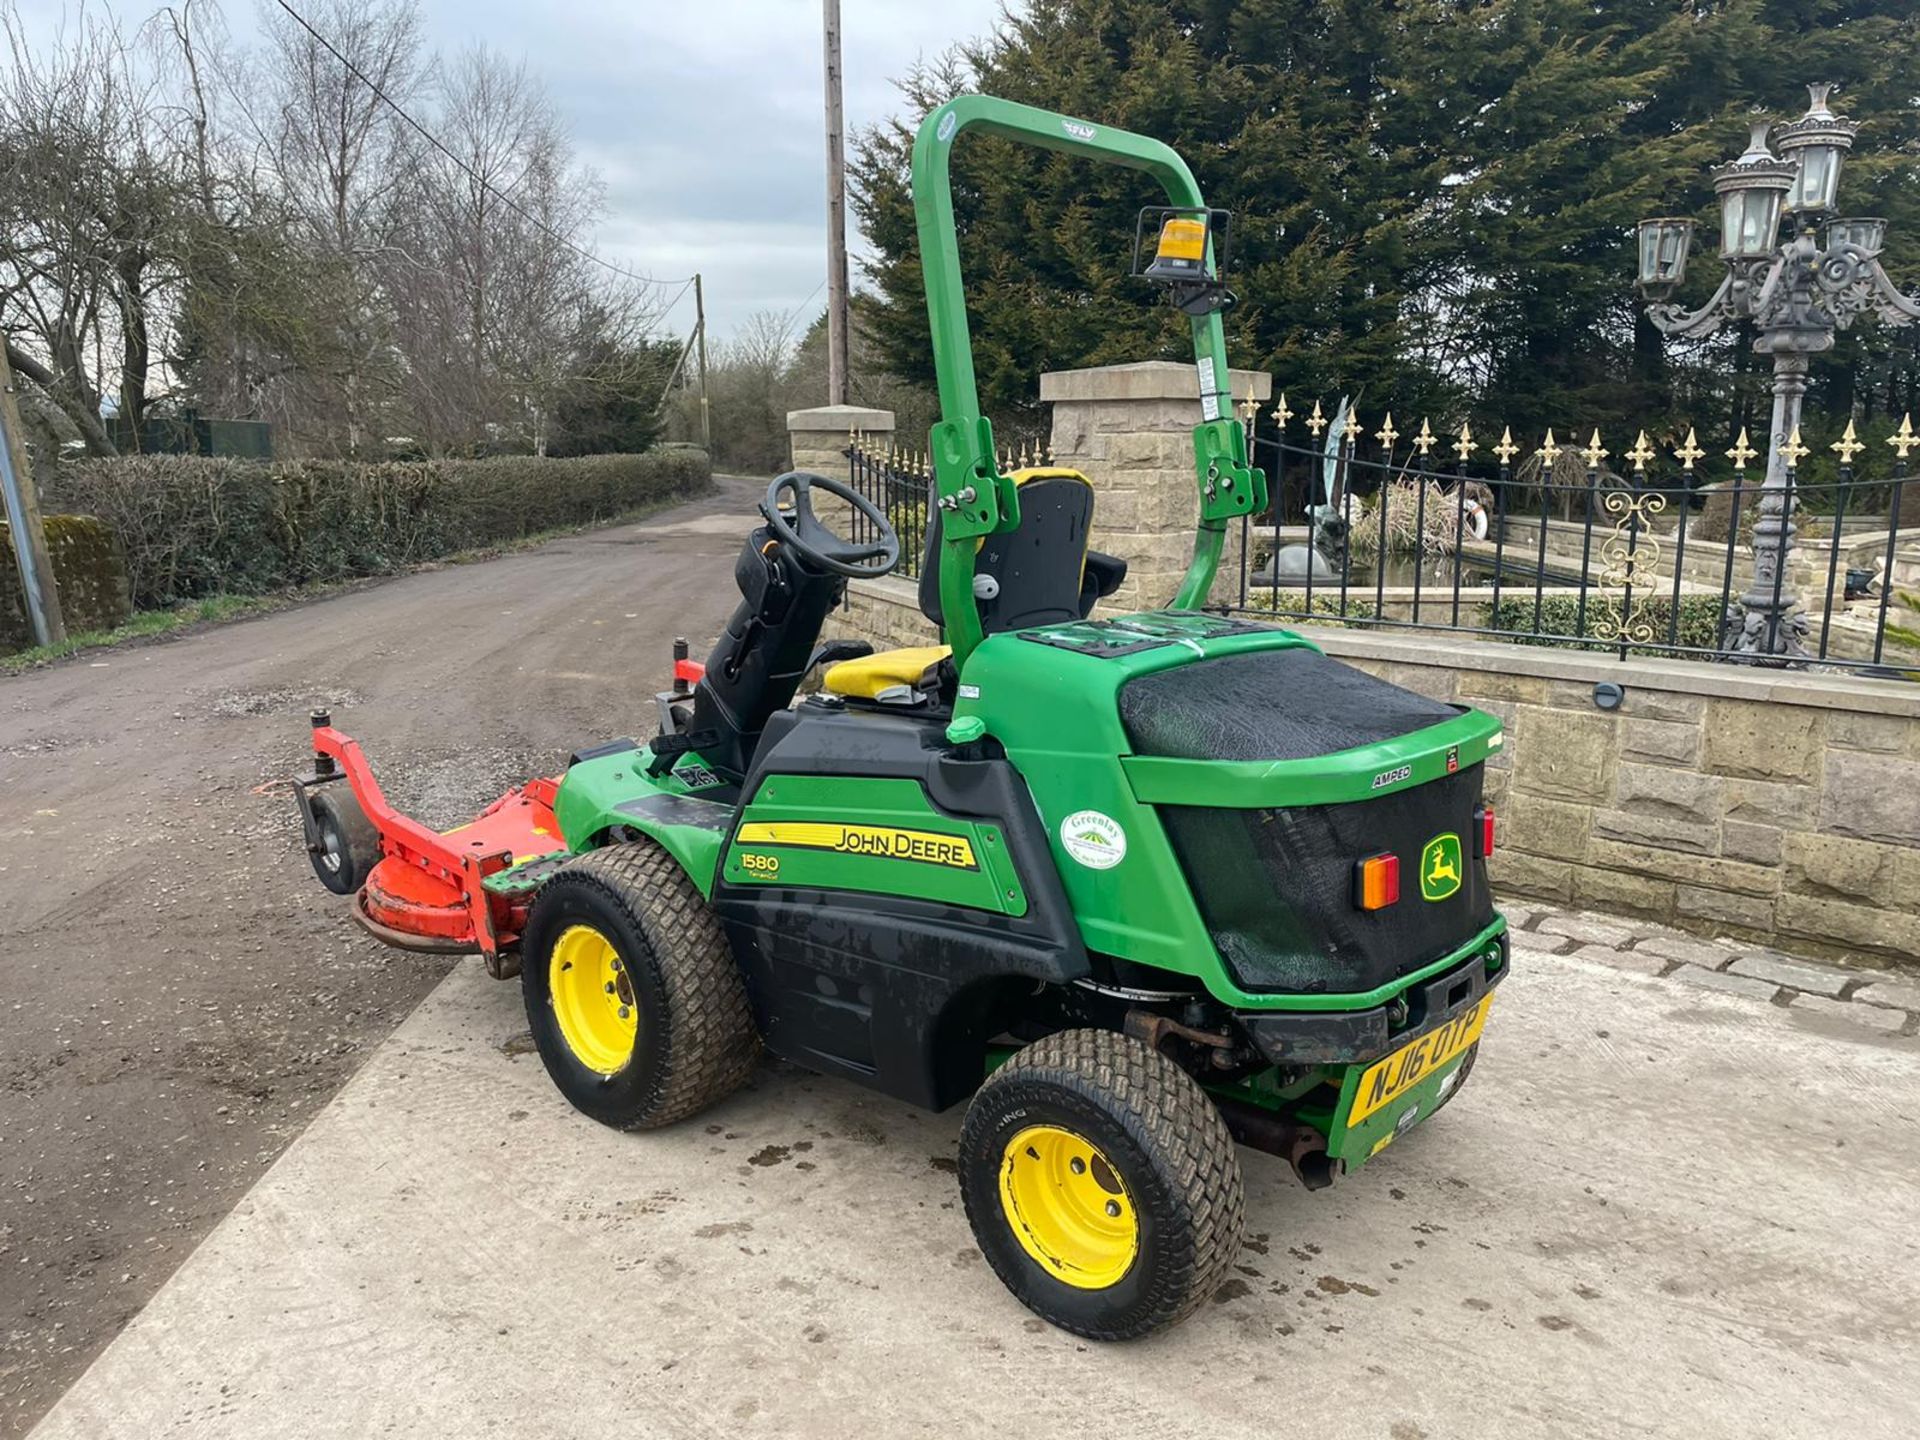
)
(1433, 200)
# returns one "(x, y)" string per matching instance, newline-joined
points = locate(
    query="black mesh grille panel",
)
(1275, 887)
(1268, 705)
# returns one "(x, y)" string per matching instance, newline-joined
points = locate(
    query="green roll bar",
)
(975, 499)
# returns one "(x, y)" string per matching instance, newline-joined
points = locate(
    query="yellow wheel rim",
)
(592, 997)
(1068, 1207)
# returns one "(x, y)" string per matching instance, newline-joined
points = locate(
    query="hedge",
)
(194, 527)
(1292, 604)
(1561, 617)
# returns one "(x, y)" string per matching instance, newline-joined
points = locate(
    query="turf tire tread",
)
(710, 1044)
(1167, 1112)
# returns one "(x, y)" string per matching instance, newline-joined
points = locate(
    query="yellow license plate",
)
(1385, 1081)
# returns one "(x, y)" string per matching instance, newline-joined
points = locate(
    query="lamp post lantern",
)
(1799, 290)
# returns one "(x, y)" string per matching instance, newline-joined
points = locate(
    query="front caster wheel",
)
(345, 845)
(632, 994)
(1101, 1184)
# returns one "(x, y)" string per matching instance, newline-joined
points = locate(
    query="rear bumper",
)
(1359, 1037)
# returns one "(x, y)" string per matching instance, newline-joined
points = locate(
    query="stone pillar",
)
(1129, 429)
(818, 437)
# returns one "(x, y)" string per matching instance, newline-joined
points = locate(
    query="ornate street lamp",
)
(1663, 253)
(1798, 292)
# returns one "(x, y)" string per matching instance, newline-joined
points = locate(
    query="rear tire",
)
(346, 845)
(632, 994)
(1101, 1184)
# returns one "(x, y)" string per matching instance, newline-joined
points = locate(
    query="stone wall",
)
(885, 613)
(817, 442)
(89, 570)
(817, 439)
(1764, 804)
(1129, 429)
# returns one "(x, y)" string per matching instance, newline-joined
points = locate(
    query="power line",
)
(678, 296)
(472, 174)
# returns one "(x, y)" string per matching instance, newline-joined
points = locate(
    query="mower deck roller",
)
(1131, 889)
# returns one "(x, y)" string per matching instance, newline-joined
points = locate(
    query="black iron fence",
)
(899, 484)
(1562, 550)
(1555, 547)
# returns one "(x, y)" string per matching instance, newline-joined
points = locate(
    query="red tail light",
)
(1376, 882)
(1483, 830)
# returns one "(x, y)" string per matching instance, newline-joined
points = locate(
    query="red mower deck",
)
(428, 891)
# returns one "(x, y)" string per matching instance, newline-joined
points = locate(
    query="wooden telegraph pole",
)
(836, 215)
(23, 519)
(700, 323)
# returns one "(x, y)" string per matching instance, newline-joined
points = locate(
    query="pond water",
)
(1400, 571)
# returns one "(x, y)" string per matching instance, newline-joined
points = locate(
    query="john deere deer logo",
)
(1440, 867)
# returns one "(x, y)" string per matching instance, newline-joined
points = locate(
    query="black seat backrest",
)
(1038, 569)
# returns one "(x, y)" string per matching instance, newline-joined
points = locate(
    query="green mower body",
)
(1106, 852)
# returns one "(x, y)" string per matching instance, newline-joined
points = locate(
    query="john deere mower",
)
(1132, 888)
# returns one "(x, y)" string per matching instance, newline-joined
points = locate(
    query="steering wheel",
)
(800, 529)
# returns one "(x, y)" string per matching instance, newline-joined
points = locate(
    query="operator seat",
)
(1039, 573)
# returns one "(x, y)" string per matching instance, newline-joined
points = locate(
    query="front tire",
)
(632, 994)
(1101, 1184)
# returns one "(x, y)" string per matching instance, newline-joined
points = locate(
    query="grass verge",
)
(145, 624)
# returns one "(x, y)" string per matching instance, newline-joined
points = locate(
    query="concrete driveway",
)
(1657, 1210)
(176, 1001)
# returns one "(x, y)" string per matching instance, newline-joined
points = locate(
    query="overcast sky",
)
(703, 117)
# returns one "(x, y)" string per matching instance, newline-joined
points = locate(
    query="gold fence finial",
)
(1848, 446)
(1904, 439)
(1386, 434)
(1640, 454)
(1742, 451)
(1595, 451)
(1426, 439)
(1316, 422)
(1250, 406)
(1548, 451)
(1281, 413)
(1793, 452)
(1506, 449)
(1464, 446)
(1351, 434)
(1689, 450)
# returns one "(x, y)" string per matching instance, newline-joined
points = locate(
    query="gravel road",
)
(178, 996)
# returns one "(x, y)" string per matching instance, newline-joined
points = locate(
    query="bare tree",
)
(261, 233)
(749, 387)
(90, 198)
(341, 158)
(499, 302)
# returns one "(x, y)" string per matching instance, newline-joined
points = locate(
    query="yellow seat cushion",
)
(868, 676)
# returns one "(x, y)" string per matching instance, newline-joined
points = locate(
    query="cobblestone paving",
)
(1885, 1001)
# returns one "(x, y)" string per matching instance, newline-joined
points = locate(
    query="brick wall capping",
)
(1825, 691)
(839, 419)
(1145, 380)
